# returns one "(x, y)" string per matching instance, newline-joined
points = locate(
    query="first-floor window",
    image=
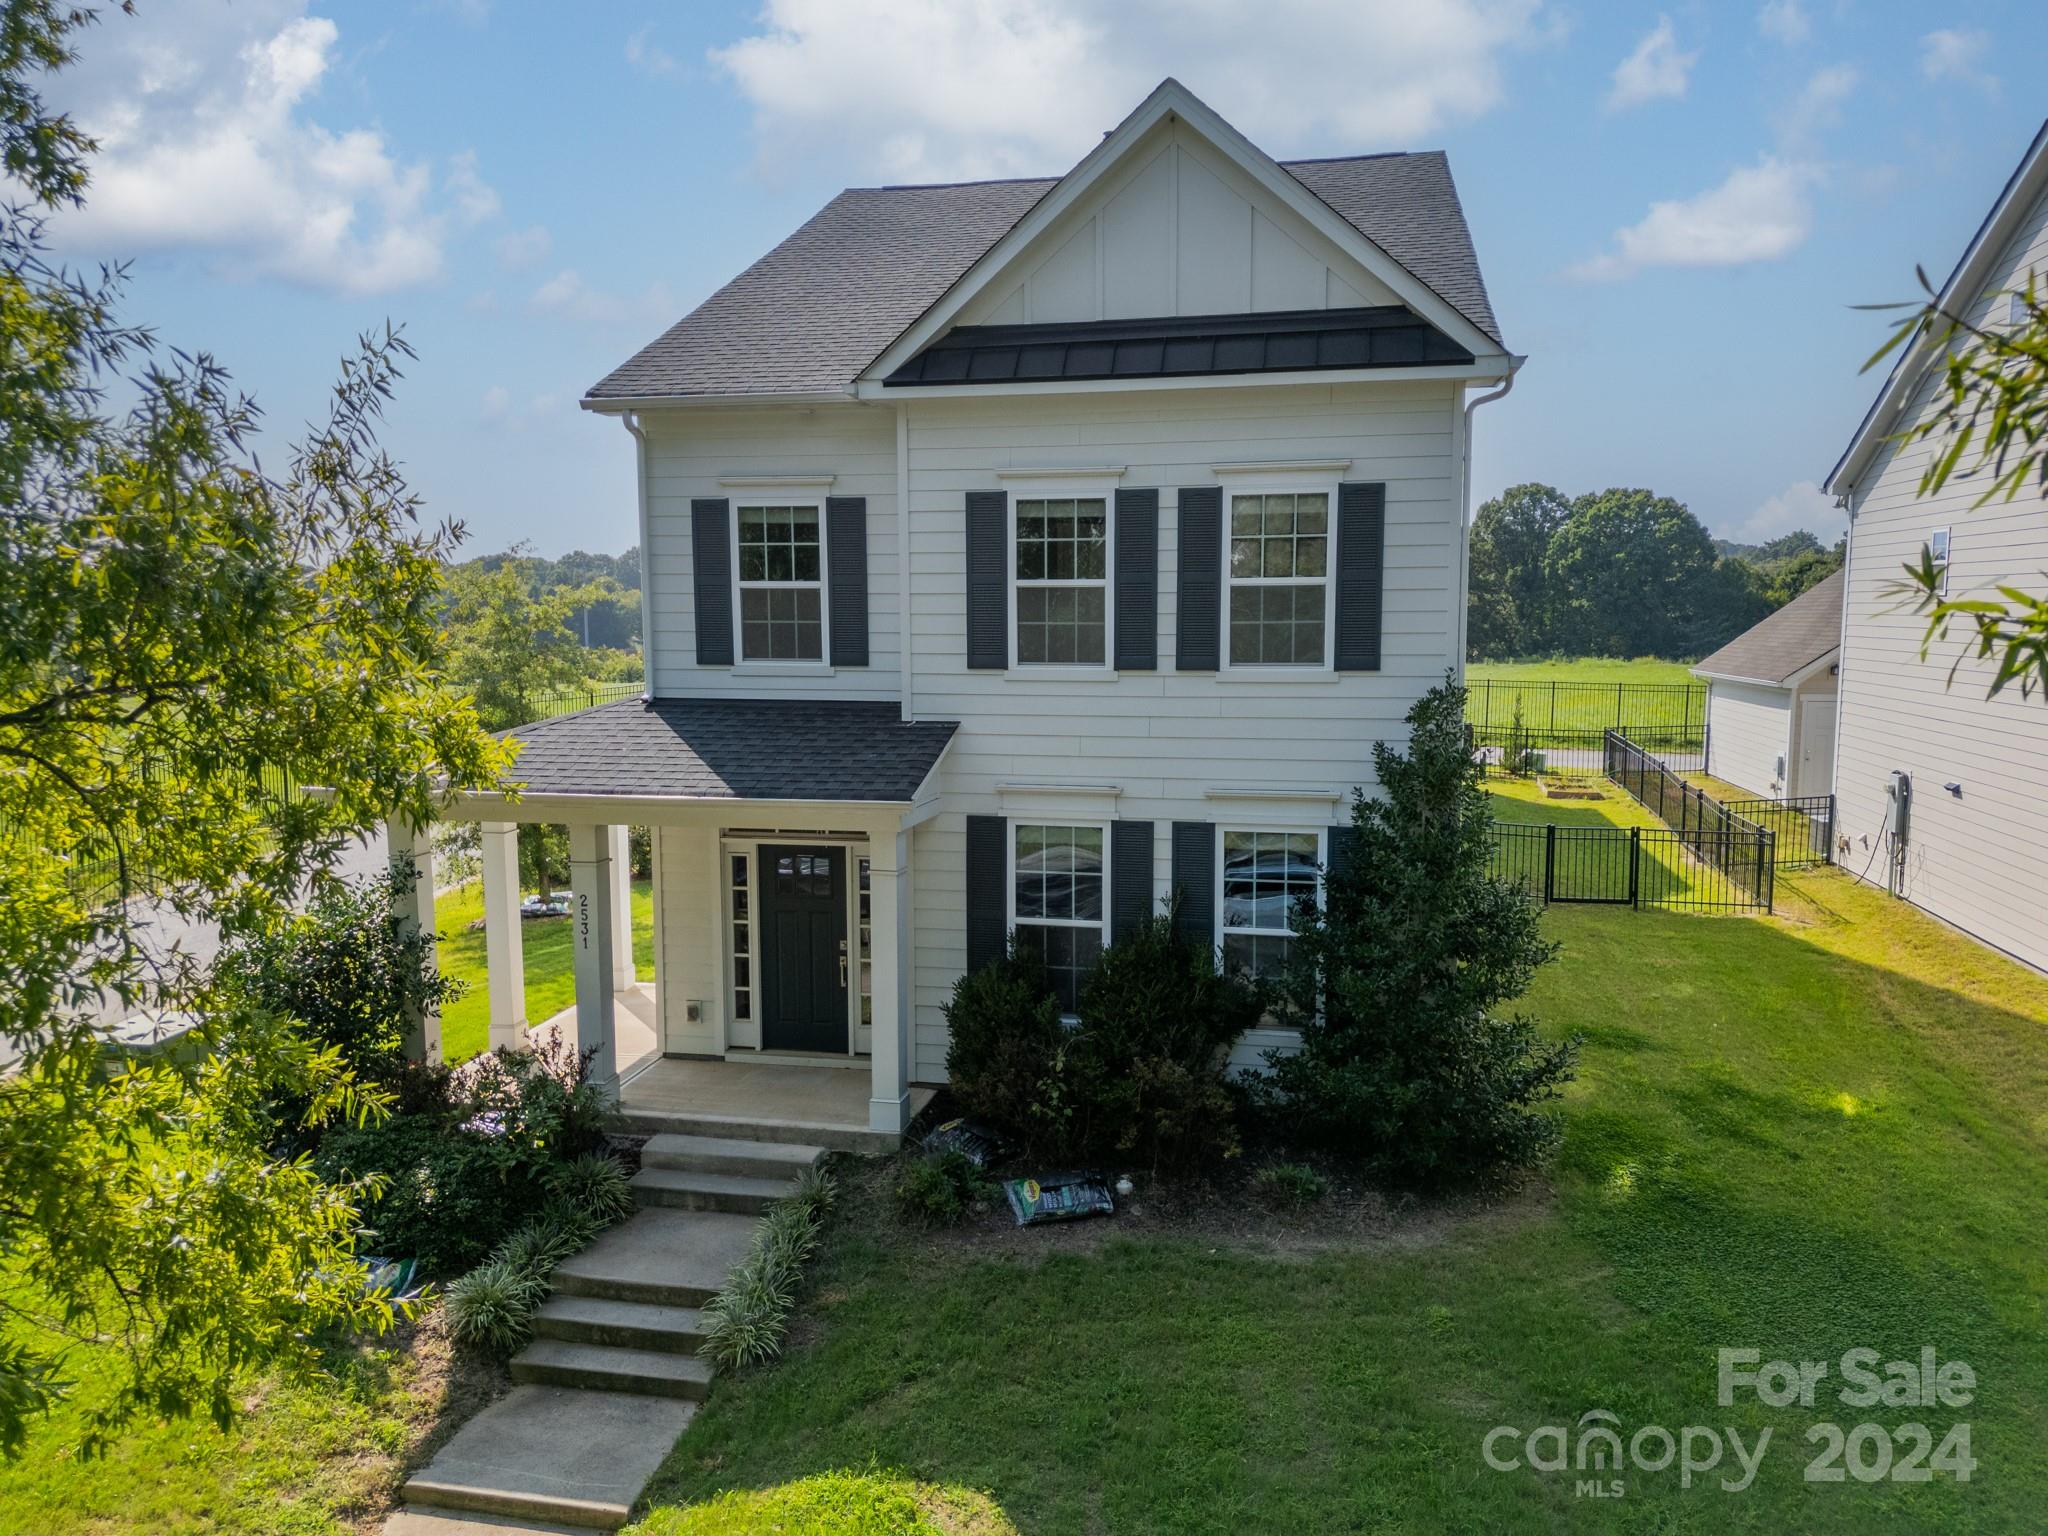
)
(742, 952)
(1266, 876)
(782, 584)
(867, 944)
(1056, 903)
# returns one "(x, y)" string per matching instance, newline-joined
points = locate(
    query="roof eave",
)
(615, 405)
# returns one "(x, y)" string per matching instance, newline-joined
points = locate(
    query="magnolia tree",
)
(182, 635)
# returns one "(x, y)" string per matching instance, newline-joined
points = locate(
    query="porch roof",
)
(732, 749)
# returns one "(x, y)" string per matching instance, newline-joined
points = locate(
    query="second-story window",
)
(1279, 579)
(1062, 581)
(782, 584)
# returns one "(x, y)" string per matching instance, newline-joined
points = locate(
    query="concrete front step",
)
(419, 1520)
(813, 1133)
(554, 1455)
(610, 1368)
(670, 1258)
(628, 1324)
(730, 1154)
(687, 1190)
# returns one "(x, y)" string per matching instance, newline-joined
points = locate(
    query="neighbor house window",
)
(1062, 581)
(1265, 877)
(1937, 549)
(1279, 579)
(742, 953)
(1056, 904)
(782, 584)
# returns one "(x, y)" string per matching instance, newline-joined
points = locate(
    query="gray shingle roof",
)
(1794, 637)
(732, 749)
(815, 311)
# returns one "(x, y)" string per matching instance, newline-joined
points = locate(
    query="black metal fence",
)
(1550, 705)
(1638, 867)
(1803, 828)
(1504, 749)
(1740, 848)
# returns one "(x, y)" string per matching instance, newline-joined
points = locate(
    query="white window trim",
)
(1065, 671)
(1322, 837)
(1282, 671)
(1010, 875)
(741, 661)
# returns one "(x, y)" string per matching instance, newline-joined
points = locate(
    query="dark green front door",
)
(803, 948)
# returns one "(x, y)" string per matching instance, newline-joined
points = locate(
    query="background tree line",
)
(1621, 572)
(516, 625)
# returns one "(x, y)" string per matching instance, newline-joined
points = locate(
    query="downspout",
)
(1465, 515)
(630, 420)
(903, 561)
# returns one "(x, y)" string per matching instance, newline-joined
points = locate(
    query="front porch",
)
(759, 1101)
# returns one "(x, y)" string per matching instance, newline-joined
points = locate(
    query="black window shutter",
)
(988, 585)
(1194, 882)
(846, 556)
(988, 912)
(1199, 622)
(1343, 846)
(1361, 564)
(1137, 580)
(1130, 876)
(711, 561)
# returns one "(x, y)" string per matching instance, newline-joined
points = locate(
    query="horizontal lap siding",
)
(1748, 728)
(1166, 738)
(687, 455)
(1979, 860)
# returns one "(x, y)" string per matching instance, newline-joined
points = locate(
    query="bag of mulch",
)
(1058, 1197)
(979, 1144)
(397, 1279)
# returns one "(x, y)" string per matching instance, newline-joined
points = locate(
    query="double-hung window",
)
(1278, 576)
(782, 582)
(1265, 876)
(1056, 901)
(1062, 580)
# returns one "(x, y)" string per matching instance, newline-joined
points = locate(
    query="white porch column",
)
(411, 850)
(622, 906)
(590, 913)
(505, 959)
(890, 916)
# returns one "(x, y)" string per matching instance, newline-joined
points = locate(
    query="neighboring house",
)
(1022, 554)
(1771, 698)
(1974, 847)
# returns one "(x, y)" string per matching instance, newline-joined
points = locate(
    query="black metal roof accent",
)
(1182, 346)
(731, 749)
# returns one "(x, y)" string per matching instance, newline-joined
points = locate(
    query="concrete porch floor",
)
(633, 1022)
(776, 1101)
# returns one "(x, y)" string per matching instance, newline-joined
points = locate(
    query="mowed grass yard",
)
(545, 942)
(1583, 669)
(1802, 1134)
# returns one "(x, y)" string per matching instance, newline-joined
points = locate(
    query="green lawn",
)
(1800, 1134)
(1583, 669)
(550, 983)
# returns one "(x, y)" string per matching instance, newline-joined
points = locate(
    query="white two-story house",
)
(1021, 555)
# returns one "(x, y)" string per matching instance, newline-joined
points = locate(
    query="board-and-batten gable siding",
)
(688, 455)
(1165, 737)
(1979, 860)
(1749, 726)
(1178, 230)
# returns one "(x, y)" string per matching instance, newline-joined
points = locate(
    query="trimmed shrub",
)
(1003, 1059)
(493, 1305)
(941, 1192)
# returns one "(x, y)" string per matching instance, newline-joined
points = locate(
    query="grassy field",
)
(1801, 1134)
(550, 983)
(1583, 669)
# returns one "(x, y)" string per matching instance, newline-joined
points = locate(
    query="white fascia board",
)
(657, 810)
(1174, 99)
(2020, 191)
(1484, 371)
(613, 407)
(1825, 659)
(1737, 677)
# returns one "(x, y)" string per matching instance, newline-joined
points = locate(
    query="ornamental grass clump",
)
(493, 1305)
(745, 1322)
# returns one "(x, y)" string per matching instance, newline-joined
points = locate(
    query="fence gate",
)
(1590, 864)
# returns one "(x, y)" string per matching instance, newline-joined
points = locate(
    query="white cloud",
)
(1785, 21)
(500, 409)
(1817, 107)
(1657, 69)
(1802, 504)
(475, 199)
(1761, 212)
(207, 143)
(1951, 54)
(567, 294)
(936, 88)
(525, 248)
(648, 56)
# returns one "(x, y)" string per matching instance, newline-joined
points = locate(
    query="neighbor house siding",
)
(1748, 733)
(1978, 859)
(689, 455)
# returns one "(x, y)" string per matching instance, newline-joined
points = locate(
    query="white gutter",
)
(905, 672)
(626, 403)
(1465, 511)
(630, 420)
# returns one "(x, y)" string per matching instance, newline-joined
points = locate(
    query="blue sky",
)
(1674, 206)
